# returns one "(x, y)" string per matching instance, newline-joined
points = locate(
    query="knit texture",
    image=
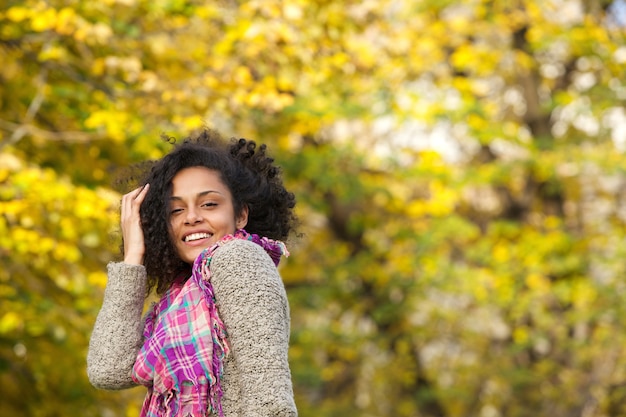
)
(252, 303)
(181, 361)
(118, 331)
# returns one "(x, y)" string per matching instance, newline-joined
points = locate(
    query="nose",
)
(192, 217)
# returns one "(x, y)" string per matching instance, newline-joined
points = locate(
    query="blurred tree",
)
(459, 168)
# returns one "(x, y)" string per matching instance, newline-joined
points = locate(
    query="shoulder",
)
(241, 253)
(241, 263)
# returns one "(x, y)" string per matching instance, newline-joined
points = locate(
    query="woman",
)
(204, 232)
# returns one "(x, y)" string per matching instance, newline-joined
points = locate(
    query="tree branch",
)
(20, 130)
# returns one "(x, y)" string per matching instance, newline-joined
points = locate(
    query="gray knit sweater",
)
(252, 303)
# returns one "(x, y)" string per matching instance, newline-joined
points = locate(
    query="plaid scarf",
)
(181, 361)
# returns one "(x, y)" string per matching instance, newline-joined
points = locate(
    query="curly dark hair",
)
(248, 172)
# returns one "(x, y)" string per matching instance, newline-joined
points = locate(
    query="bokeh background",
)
(459, 168)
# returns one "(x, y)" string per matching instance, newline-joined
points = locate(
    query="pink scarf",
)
(181, 361)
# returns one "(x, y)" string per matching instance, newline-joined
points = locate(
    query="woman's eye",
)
(209, 204)
(176, 210)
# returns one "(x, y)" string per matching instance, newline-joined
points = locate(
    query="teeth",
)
(196, 236)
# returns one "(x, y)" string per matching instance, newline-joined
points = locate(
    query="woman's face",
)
(201, 211)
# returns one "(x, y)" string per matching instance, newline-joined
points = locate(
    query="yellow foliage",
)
(18, 14)
(539, 283)
(7, 291)
(477, 123)
(11, 208)
(504, 288)
(443, 199)
(117, 124)
(363, 51)
(65, 22)
(65, 252)
(464, 57)
(98, 34)
(500, 253)
(432, 161)
(91, 240)
(53, 53)
(552, 222)
(4, 174)
(584, 294)
(192, 122)
(242, 76)
(23, 239)
(207, 11)
(520, 335)
(133, 410)
(416, 208)
(45, 244)
(67, 229)
(328, 373)
(44, 20)
(430, 266)
(534, 12)
(482, 286)
(460, 23)
(523, 61)
(97, 278)
(10, 322)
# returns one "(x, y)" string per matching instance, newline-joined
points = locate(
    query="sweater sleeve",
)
(252, 302)
(117, 335)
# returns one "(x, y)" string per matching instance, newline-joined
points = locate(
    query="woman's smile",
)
(193, 237)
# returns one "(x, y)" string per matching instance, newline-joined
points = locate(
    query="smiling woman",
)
(201, 211)
(204, 232)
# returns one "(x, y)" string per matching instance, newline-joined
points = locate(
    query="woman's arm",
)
(252, 303)
(118, 332)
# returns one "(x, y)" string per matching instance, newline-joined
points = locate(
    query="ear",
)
(242, 220)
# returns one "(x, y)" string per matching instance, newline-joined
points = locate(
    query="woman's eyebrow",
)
(200, 194)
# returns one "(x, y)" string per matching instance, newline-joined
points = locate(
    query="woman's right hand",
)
(130, 220)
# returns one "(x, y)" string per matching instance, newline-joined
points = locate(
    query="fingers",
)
(138, 194)
(132, 233)
(132, 200)
(141, 193)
